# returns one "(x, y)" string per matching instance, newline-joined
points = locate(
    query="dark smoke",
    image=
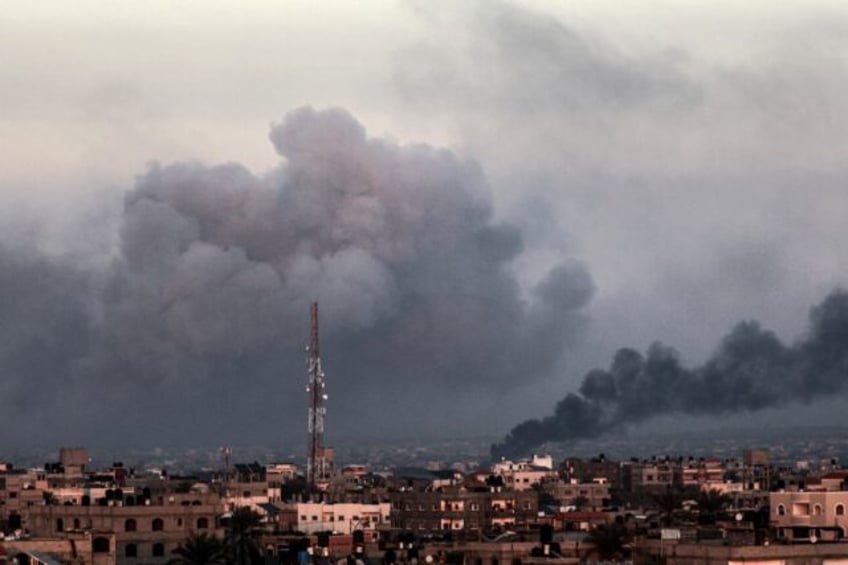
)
(194, 328)
(750, 370)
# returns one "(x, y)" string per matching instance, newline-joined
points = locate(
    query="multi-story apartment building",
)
(343, 518)
(247, 485)
(816, 511)
(525, 474)
(458, 508)
(810, 515)
(144, 533)
(588, 470)
(579, 495)
(650, 476)
(704, 473)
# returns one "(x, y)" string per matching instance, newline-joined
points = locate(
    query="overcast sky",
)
(636, 172)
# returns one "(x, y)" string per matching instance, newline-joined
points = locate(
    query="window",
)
(129, 525)
(131, 550)
(817, 510)
(800, 508)
(179, 521)
(60, 525)
(202, 523)
(100, 545)
(158, 525)
(76, 524)
(781, 510)
(158, 550)
(840, 510)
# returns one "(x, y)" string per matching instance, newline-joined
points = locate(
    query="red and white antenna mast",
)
(316, 462)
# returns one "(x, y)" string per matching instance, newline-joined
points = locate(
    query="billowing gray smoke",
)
(195, 329)
(751, 370)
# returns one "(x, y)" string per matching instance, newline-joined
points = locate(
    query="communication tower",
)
(319, 459)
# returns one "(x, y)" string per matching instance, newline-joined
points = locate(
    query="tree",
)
(667, 502)
(241, 547)
(580, 502)
(609, 541)
(711, 503)
(199, 549)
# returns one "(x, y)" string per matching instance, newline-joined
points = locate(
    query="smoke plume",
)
(750, 370)
(196, 325)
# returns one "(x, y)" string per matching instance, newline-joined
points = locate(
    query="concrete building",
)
(344, 518)
(146, 533)
(650, 475)
(589, 470)
(576, 495)
(810, 516)
(459, 508)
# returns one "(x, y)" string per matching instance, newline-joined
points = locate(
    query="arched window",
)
(840, 510)
(202, 523)
(817, 510)
(129, 525)
(781, 510)
(158, 525)
(131, 550)
(158, 550)
(76, 524)
(60, 525)
(100, 545)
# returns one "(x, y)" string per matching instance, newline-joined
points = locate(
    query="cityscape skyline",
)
(489, 201)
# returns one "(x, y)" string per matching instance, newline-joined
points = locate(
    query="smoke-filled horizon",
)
(196, 326)
(750, 370)
(540, 183)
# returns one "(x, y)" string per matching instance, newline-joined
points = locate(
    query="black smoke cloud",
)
(750, 370)
(194, 329)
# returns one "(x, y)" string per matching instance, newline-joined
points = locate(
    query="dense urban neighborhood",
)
(681, 509)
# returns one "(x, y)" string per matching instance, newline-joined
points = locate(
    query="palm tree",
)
(199, 549)
(668, 502)
(241, 546)
(609, 541)
(580, 502)
(711, 503)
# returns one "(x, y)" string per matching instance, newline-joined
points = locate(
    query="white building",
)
(343, 518)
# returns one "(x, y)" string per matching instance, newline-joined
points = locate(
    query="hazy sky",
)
(526, 187)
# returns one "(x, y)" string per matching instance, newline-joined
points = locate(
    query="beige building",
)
(344, 518)
(459, 508)
(146, 533)
(592, 496)
(810, 515)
